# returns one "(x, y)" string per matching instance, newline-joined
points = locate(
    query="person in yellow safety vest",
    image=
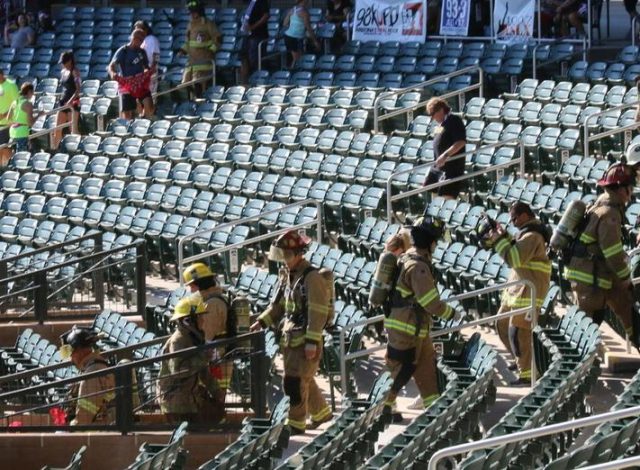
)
(599, 267)
(186, 391)
(414, 301)
(201, 44)
(300, 285)
(213, 323)
(526, 255)
(22, 118)
(92, 406)
(8, 94)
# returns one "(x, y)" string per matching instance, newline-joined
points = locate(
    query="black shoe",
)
(296, 431)
(512, 366)
(394, 416)
(519, 382)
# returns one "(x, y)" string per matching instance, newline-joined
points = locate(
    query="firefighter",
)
(415, 299)
(302, 300)
(201, 43)
(526, 255)
(213, 323)
(92, 407)
(186, 390)
(599, 267)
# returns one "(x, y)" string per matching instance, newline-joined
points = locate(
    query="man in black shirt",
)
(255, 26)
(449, 140)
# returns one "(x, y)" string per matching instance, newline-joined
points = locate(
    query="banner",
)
(390, 20)
(513, 20)
(454, 19)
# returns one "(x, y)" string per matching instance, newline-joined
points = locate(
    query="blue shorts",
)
(21, 144)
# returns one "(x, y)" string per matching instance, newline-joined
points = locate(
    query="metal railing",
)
(94, 235)
(187, 84)
(531, 433)
(531, 309)
(249, 346)
(616, 464)
(35, 285)
(587, 138)
(116, 353)
(497, 167)
(235, 246)
(45, 132)
(542, 41)
(633, 30)
(396, 112)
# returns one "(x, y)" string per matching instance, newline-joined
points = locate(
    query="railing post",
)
(141, 288)
(3, 276)
(522, 158)
(40, 296)
(259, 375)
(124, 398)
(98, 274)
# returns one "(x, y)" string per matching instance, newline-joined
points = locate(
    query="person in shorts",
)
(22, 118)
(298, 26)
(255, 26)
(151, 45)
(130, 68)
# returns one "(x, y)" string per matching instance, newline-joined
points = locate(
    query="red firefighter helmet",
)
(291, 240)
(618, 174)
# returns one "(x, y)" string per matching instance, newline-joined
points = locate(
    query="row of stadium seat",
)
(566, 356)
(610, 441)
(259, 444)
(351, 437)
(468, 389)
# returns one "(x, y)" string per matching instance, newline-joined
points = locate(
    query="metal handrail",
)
(616, 464)
(520, 160)
(181, 242)
(633, 30)
(532, 433)
(44, 131)
(541, 42)
(41, 370)
(587, 138)
(344, 356)
(189, 83)
(438, 79)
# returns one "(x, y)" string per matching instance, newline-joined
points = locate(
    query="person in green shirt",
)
(22, 118)
(8, 94)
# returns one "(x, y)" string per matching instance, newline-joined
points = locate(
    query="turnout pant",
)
(515, 333)
(419, 363)
(594, 300)
(300, 386)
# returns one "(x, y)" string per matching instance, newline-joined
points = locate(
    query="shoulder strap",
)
(539, 229)
(303, 279)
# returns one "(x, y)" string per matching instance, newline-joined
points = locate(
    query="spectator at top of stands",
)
(130, 68)
(71, 83)
(298, 26)
(449, 140)
(338, 13)
(570, 12)
(255, 26)
(44, 24)
(19, 34)
(8, 94)
(151, 45)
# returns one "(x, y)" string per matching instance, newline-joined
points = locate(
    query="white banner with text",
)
(390, 20)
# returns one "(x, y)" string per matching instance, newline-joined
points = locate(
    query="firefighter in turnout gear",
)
(202, 42)
(302, 299)
(599, 267)
(186, 390)
(526, 255)
(213, 323)
(92, 407)
(414, 301)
